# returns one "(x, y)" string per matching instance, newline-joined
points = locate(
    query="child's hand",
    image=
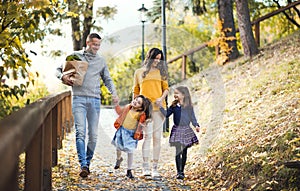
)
(198, 129)
(158, 102)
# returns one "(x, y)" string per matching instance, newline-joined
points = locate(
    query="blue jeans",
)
(86, 111)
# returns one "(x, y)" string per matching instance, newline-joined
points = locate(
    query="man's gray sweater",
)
(97, 68)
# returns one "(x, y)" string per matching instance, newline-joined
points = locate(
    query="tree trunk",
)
(245, 28)
(225, 14)
(75, 22)
(87, 23)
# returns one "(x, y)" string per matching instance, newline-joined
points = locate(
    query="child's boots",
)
(129, 174)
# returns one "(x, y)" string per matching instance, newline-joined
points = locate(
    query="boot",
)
(118, 163)
(129, 174)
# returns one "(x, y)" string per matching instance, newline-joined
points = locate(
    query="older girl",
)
(182, 135)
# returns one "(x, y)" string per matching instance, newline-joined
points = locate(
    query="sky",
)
(127, 16)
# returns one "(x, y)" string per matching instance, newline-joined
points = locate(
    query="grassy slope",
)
(249, 110)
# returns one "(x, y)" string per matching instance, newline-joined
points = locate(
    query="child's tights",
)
(129, 159)
(181, 155)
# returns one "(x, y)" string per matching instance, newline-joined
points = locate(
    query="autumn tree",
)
(225, 10)
(20, 22)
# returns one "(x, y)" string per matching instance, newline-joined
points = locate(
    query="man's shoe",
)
(118, 163)
(129, 174)
(84, 172)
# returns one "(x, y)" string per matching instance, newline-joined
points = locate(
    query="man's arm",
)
(64, 78)
(108, 82)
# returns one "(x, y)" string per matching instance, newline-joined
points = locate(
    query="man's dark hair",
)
(94, 35)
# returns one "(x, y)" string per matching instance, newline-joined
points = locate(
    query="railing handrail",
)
(19, 129)
(262, 18)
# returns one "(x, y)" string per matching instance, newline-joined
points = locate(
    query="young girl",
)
(182, 135)
(130, 117)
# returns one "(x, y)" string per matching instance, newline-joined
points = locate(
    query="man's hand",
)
(66, 80)
(115, 99)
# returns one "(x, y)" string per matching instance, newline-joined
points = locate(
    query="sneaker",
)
(155, 173)
(129, 174)
(146, 172)
(84, 172)
(118, 163)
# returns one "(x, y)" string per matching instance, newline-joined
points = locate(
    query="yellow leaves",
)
(221, 43)
(259, 155)
(72, 14)
(295, 140)
(233, 166)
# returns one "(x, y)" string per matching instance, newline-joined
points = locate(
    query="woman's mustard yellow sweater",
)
(152, 86)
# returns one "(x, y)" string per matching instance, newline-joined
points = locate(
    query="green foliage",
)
(20, 21)
(72, 58)
(122, 75)
(26, 96)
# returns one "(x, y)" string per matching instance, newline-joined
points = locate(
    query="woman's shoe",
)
(129, 174)
(118, 163)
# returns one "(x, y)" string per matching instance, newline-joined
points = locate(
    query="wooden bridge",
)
(38, 130)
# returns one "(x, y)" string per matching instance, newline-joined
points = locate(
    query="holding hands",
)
(115, 99)
(159, 101)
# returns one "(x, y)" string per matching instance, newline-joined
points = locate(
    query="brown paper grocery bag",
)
(76, 70)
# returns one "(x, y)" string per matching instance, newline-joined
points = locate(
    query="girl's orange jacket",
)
(122, 112)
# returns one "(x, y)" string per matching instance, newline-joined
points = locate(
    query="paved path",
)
(106, 150)
(103, 176)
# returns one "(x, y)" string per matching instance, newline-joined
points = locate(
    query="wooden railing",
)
(256, 25)
(36, 130)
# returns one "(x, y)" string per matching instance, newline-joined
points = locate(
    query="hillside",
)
(249, 111)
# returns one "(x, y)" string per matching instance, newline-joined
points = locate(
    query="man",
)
(87, 100)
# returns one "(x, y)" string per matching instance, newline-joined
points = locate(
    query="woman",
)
(151, 81)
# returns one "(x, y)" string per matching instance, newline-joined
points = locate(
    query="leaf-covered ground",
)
(249, 113)
(260, 127)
